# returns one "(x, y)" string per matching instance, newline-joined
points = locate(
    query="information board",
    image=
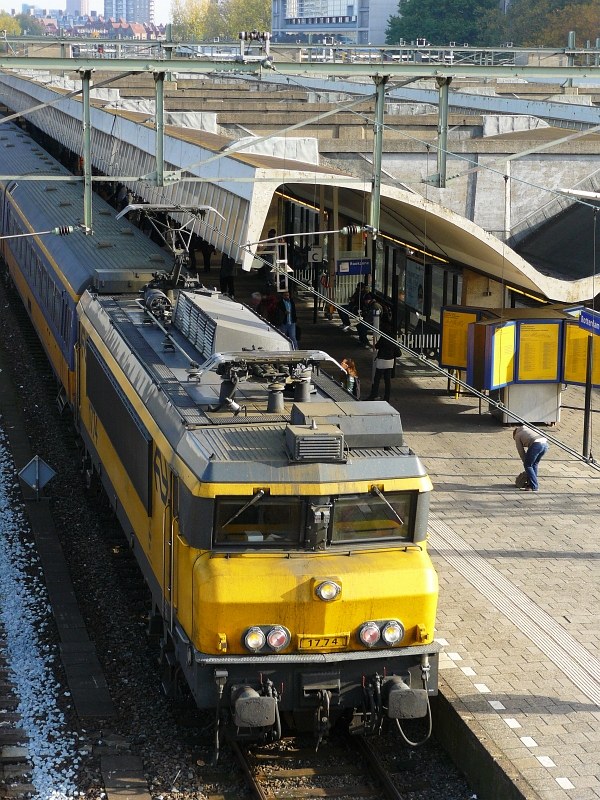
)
(575, 355)
(503, 346)
(415, 285)
(538, 352)
(455, 337)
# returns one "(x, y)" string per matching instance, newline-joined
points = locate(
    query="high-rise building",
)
(115, 9)
(78, 8)
(130, 10)
(347, 21)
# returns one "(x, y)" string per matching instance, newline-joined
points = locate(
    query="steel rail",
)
(378, 771)
(390, 791)
(252, 783)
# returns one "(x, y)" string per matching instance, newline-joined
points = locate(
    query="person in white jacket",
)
(532, 447)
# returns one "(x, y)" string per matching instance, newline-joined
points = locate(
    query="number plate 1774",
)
(323, 642)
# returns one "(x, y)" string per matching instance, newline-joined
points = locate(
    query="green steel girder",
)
(388, 69)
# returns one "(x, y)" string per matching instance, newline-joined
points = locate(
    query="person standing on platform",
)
(349, 377)
(227, 274)
(371, 309)
(532, 447)
(384, 364)
(207, 250)
(285, 317)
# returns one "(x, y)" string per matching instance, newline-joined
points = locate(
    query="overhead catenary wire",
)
(403, 348)
(423, 359)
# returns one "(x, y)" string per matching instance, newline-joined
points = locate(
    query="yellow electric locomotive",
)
(280, 524)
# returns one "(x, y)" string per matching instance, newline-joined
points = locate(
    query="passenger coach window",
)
(368, 518)
(269, 522)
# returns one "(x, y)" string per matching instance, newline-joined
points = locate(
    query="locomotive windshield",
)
(365, 518)
(268, 521)
(272, 522)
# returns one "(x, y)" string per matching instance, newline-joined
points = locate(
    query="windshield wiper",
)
(255, 499)
(389, 505)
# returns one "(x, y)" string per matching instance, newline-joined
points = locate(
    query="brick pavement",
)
(523, 688)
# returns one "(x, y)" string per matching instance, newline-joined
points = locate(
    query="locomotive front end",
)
(317, 602)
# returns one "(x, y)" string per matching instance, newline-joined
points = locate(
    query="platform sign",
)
(354, 266)
(503, 347)
(575, 355)
(538, 349)
(590, 321)
(455, 337)
(315, 255)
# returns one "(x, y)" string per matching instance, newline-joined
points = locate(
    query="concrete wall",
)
(480, 196)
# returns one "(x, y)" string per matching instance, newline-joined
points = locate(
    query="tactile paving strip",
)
(563, 650)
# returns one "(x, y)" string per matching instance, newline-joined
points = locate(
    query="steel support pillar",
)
(87, 151)
(380, 82)
(442, 131)
(159, 127)
(169, 47)
(587, 405)
(571, 58)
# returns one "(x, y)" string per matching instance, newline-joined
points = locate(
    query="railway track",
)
(15, 768)
(347, 766)
(171, 738)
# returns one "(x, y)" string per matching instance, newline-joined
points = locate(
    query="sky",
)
(162, 11)
(162, 8)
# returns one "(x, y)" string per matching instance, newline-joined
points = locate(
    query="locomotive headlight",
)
(278, 638)
(369, 634)
(328, 590)
(254, 639)
(392, 632)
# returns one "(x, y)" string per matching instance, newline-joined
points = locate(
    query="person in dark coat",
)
(227, 274)
(285, 317)
(207, 250)
(384, 364)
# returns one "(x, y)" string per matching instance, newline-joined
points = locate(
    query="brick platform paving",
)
(519, 572)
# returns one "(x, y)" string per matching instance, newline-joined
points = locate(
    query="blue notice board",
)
(353, 266)
(590, 321)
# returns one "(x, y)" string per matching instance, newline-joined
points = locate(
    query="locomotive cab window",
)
(373, 518)
(259, 521)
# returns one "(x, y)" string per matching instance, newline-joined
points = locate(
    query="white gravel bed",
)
(25, 614)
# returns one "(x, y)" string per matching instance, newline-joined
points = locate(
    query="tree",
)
(547, 22)
(29, 24)
(208, 19)
(188, 18)
(247, 15)
(583, 19)
(215, 25)
(9, 24)
(478, 22)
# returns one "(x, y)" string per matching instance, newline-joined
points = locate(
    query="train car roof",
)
(186, 383)
(117, 249)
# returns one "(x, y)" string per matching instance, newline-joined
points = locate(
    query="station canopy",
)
(411, 219)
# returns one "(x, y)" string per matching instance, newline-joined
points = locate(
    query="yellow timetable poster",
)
(455, 335)
(576, 344)
(503, 355)
(538, 351)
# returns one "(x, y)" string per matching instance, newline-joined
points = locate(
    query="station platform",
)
(519, 607)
